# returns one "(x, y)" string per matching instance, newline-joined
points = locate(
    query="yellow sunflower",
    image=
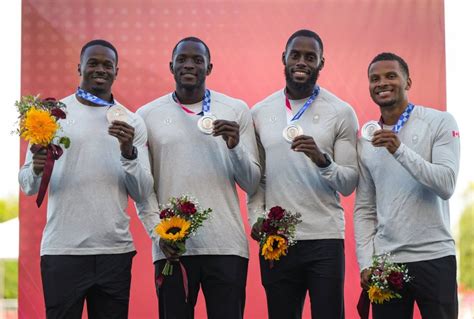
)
(377, 295)
(38, 126)
(173, 228)
(274, 247)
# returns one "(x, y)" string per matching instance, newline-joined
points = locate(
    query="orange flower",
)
(173, 228)
(38, 127)
(379, 296)
(275, 247)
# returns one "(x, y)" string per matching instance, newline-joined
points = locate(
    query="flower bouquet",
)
(387, 279)
(180, 219)
(277, 232)
(39, 126)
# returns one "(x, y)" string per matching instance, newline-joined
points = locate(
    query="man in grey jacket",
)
(87, 248)
(408, 172)
(305, 174)
(186, 158)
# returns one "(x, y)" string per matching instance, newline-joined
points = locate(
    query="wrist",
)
(131, 154)
(323, 161)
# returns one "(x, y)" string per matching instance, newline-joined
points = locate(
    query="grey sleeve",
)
(244, 156)
(138, 178)
(256, 201)
(149, 214)
(29, 181)
(365, 216)
(440, 174)
(341, 174)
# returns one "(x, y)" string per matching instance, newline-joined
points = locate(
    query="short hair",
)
(389, 56)
(101, 42)
(306, 33)
(192, 39)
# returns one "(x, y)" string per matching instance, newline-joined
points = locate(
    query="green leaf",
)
(65, 141)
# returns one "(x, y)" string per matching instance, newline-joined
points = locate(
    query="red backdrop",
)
(246, 39)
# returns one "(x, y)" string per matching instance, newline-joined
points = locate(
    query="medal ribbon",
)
(92, 98)
(206, 104)
(402, 119)
(289, 114)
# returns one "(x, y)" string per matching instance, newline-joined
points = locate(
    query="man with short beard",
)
(408, 171)
(307, 143)
(207, 163)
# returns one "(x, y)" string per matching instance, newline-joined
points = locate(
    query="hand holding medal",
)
(229, 130)
(209, 124)
(125, 133)
(373, 132)
(386, 138)
(118, 117)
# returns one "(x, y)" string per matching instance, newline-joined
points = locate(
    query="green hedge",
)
(11, 278)
(466, 246)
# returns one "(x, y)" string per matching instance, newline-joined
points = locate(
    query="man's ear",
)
(79, 69)
(209, 69)
(116, 71)
(283, 58)
(408, 86)
(321, 64)
(171, 67)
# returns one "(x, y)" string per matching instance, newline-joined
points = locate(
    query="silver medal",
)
(117, 113)
(368, 130)
(206, 124)
(291, 132)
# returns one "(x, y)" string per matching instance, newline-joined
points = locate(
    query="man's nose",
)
(189, 64)
(301, 61)
(99, 68)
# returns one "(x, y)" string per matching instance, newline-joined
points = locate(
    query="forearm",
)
(342, 179)
(149, 214)
(246, 168)
(439, 177)
(28, 180)
(138, 178)
(256, 204)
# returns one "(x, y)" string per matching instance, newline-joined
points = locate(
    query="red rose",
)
(58, 113)
(267, 227)
(166, 213)
(276, 213)
(396, 280)
(187, 208)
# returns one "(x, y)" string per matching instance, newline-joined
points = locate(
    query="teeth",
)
(383, 93)
(300, 73)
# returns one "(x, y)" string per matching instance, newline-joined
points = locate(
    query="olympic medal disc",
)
(291, 132)
(206, 124)
(117, 113)
(368, 130)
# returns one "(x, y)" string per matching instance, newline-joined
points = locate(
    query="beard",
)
(301, 86)
(387, 104)
(383, 104)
